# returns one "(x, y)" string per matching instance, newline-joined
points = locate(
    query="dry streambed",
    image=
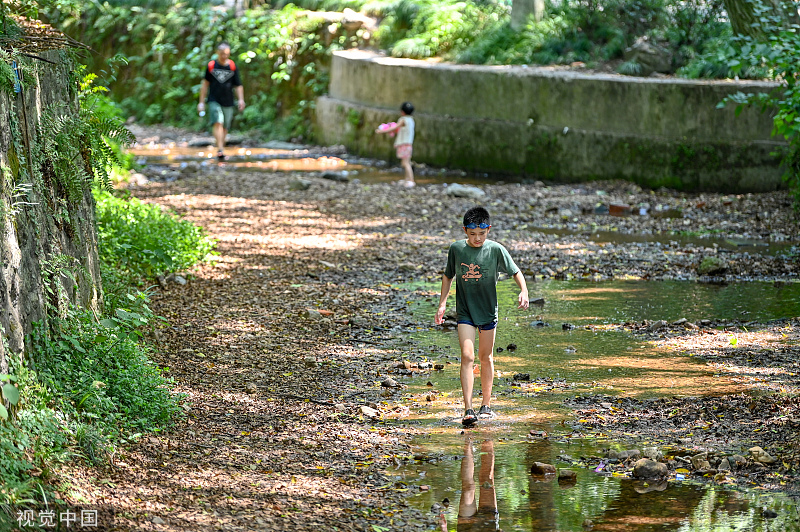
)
(280, 345)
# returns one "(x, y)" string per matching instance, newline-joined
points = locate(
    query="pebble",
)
(389, 383)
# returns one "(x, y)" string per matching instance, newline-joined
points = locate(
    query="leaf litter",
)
(282, 344)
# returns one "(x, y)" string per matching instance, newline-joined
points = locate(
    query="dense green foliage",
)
(281, 56)
(283, 51)
(775, 50)
(589, 32)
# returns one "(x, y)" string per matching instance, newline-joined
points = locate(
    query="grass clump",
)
(144, 240)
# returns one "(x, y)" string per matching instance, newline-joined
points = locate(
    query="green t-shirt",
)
(476, 271)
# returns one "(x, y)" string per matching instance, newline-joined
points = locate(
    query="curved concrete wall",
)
(553, 123)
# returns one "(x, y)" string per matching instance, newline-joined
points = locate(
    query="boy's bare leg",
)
(485, 350)
(406, 164)
(466, 339)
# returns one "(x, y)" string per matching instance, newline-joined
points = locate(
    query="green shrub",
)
(33, 439)
(279, 52)
(775, 49)
(98, 375)
(145, 240)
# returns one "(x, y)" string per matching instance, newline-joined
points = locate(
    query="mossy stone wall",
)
(48, 247)
(554, 124)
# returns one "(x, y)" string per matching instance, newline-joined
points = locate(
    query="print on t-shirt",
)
(222, 75)
(472, 271)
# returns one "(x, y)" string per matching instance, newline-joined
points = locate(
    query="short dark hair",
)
(477, 216)
(407, 108)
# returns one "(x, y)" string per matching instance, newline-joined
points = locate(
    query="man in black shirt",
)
(221, 79)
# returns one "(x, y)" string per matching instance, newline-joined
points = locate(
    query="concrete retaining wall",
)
(554, 124)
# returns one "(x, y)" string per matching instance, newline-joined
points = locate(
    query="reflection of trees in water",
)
(541, 498)
(654, 506)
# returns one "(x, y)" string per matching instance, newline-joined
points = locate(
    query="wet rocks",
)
(300, 184)
(657, 326)
(567, 475)
(625, 455)
(464, 191)
(369, 412)
(542, 469)
(653, 453)
(737, 461)
(312, 314)
(700, 461)
(712, 265)
(649, 469)
(340, 177)
(760, 455)
(390, 383)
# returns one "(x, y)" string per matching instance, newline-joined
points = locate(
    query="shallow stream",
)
(491, 462)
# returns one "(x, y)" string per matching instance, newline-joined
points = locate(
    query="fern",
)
(7, 76)
(77, 145)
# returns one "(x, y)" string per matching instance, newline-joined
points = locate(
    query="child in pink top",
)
(404, 140)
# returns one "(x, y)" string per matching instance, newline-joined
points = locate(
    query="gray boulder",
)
(650, 56)
(712, 266)
(646, 468)
(464, 191)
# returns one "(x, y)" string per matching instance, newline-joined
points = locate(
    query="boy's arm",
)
(523, 289)
(446, 283)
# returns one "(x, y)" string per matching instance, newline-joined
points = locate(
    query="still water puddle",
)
(566, 362)
(670, 240)
(483, 483)
(293, 160)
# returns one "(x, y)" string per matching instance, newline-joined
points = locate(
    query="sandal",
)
(220, 155)
(469, 418)
(485, 412)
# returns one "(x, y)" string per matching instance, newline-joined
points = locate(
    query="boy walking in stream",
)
(476, 263)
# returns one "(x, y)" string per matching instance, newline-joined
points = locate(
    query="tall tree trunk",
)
(745, 18)
(521, 11)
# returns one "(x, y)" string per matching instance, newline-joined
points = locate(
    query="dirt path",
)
(278, 345)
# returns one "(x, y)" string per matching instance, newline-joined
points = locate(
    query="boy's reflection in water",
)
(480, 516)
